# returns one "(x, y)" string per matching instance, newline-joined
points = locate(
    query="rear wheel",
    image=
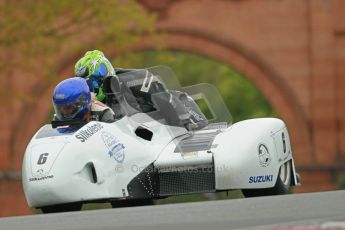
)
(131, 203)
(281, 187)
(62, 208)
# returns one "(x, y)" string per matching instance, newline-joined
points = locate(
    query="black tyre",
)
(131, 203)
(62, 208)
(281, 187)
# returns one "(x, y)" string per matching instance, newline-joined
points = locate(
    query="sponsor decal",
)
(260, 179)
(264, 155)
(40, 178)
(88, 132)
(118, 152)
(116, 149)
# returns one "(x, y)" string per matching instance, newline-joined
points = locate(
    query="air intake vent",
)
(89, 173)
(182, 180)
(144, 133)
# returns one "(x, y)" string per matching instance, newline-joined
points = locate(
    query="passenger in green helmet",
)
(94, 67)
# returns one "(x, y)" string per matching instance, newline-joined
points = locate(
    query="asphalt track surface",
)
(310, 211)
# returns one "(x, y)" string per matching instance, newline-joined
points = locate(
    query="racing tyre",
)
(131, 203)
(281, 187)
(62, 208)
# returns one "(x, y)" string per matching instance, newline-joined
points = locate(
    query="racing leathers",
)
(100, 112)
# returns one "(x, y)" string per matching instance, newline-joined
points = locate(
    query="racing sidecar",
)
(153, 150)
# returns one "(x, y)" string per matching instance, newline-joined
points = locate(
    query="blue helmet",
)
(71, 99)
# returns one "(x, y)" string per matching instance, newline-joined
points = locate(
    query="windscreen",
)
(157, 93)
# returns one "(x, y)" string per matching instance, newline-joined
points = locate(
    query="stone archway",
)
(231, 53)
(293, 51)
(259, 73)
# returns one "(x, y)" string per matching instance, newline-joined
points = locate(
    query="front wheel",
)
(281, 187)
(62, 208)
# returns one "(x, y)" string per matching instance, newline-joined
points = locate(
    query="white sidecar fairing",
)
(152, 151)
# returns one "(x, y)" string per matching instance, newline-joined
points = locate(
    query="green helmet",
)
(94, 67)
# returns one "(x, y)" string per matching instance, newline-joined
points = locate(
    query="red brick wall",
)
(12, 199)
(292, 50)
(339, 33)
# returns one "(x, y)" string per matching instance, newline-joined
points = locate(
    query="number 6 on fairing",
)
(42, 159)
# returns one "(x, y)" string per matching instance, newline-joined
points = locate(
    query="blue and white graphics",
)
(260, 179)
(116, 149)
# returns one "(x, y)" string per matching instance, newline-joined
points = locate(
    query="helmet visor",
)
(70, 110)
(101, 72)
(93, 85)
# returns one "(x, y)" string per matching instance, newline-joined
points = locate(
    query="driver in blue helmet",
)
(72, 100)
